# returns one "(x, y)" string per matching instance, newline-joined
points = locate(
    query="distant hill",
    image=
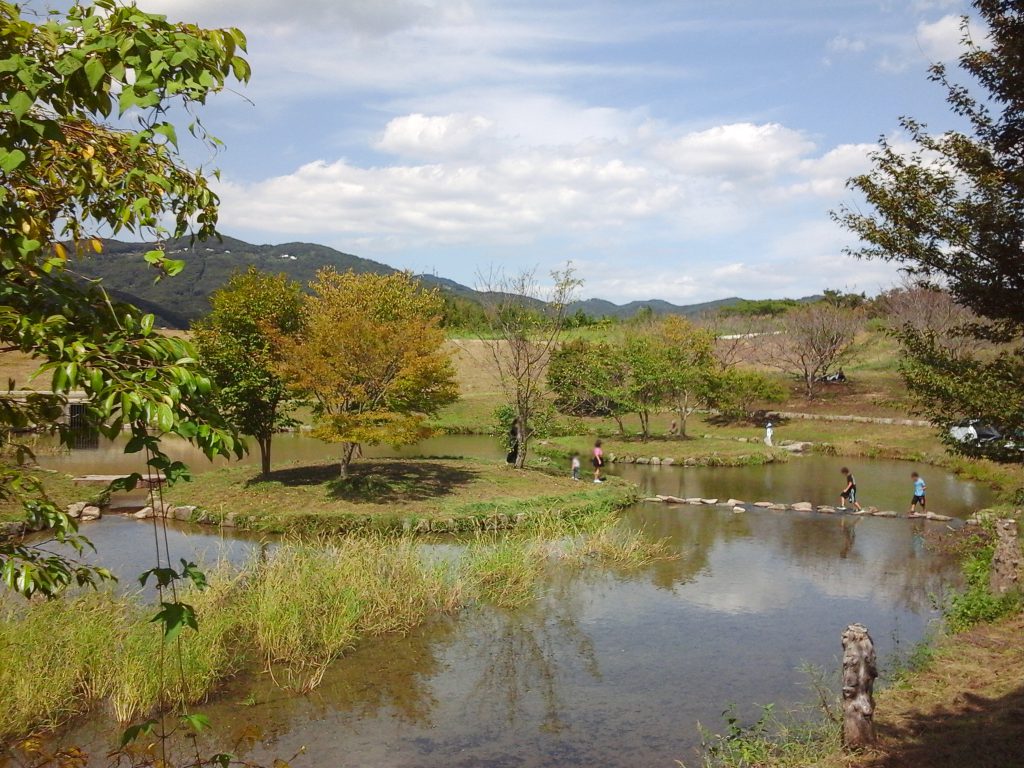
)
(209, 265)
(602, 308)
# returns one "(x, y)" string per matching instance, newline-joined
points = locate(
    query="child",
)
(598, 461)
(919, 486)
(849, 492)
(575, 466)
(768, 433)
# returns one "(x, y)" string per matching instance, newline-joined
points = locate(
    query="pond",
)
(606, 668)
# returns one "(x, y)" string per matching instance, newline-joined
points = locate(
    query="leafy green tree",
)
(235, 343)
(587, 379)
(736, 391)
(689, 370)
(370, 354)
(641, 358)
(951, 213)
(65, 175)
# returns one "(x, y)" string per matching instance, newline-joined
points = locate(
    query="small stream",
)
(606, 668)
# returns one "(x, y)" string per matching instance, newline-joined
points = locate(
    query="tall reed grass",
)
(295, 611)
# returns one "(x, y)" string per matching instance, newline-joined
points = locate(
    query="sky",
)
(685, 150)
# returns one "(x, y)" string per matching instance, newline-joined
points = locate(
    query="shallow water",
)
(606, 668)
(881, 483)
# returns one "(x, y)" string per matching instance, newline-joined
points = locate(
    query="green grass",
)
(391, 495)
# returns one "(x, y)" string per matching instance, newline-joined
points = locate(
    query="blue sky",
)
(685, 150)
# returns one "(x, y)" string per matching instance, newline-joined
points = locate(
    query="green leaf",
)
(142, 729)
(9, 161)
(175, 617)
(196, 721)
(19, 104)
(94, 72)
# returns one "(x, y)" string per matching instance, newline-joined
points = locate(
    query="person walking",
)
(919, 497)
(768, 432)
(575, 466)
(849, 493)
(598, 461)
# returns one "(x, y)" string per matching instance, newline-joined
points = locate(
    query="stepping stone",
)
(803, 506)
(709, 501)
(735, 502)
(763, 504)
(939, 518)
(827, 510)
(915, 515)
(653, 499)
(738, 510)
(885, 514)
(868, 511)
(693, 501)
(778, 507)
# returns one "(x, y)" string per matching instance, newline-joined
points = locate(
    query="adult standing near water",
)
(768, 432)
(597, 459)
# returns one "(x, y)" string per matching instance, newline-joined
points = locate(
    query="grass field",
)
(389, 494)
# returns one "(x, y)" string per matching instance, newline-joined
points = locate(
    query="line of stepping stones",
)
(801, 506)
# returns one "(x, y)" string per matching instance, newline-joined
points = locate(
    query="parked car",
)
(974, 431)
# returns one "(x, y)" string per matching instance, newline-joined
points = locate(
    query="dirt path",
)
(965, 711)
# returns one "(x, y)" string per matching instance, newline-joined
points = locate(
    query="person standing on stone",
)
(597, 459)
(849, 493)
(919, 498)
(768, 432)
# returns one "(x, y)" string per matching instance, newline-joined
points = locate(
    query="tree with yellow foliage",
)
(371, 358)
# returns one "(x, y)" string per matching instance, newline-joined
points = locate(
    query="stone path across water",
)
(739, 506)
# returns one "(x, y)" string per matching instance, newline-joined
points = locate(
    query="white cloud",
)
(419, 135)
(736, 151)
(940, 40)
(844, 44)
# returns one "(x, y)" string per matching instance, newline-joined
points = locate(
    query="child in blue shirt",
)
(919, 486)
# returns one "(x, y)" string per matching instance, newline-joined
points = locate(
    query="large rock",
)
(668, 462)
(11, 528)
(75, 510)
(655, 460)
(184, 512)
(143, 514)
(91, 512)
(939, 518)
(803, 506)
(643, 460)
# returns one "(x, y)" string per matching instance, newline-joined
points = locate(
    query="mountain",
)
(178, 301)
(602, 308)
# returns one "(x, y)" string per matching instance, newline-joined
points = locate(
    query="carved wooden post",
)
(859, 673)
(1006, 561)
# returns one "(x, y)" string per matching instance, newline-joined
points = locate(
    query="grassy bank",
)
(419, 495)
(704, 451)
(957, 700)
(293, 614)
(60, 489)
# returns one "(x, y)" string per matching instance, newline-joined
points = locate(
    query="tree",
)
(235, 343)
(641, 359)
(926, 310)
(65, 175)
(951, 213)
(587, 379)
(370, 355)
(813, 339)
(525, 323)
(689, 369)
(736, 391)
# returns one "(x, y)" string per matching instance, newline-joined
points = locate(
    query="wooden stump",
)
(1007, 560)
(859, 673)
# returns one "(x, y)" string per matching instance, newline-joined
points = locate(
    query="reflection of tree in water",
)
(532, 651)
(692, 532)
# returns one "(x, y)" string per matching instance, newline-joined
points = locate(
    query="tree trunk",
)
(347, 452)
(859, 673)
(645, 425)
(521, 440)
(1006, 561)
(264, 444)
(682, 423)
(622, 427)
